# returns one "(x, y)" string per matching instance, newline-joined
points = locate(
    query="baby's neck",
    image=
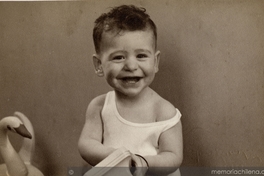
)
(137, 109)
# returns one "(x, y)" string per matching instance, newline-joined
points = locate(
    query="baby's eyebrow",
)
(143, 50)
(118, 52)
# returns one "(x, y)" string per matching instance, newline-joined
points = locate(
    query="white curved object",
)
(14, 163)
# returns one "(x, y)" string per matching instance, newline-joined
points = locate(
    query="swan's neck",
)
(14, 164)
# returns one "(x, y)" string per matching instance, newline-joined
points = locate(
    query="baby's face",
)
(128, 60)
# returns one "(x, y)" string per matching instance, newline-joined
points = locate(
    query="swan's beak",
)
(22, 130)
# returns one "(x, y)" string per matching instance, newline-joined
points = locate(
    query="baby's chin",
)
(131, 92)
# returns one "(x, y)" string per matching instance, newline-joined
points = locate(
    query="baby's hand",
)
(138, 166)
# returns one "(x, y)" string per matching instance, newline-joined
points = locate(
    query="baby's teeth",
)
(131, 80)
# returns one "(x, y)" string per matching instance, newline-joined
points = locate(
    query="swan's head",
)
(14, 124)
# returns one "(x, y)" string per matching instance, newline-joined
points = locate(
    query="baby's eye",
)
(141, 56)
(118, 57)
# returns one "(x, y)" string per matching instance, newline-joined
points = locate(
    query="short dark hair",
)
(122, 18)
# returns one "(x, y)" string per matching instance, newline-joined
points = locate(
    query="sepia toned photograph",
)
(132, 87)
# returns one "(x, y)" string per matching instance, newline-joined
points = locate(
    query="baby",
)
(133, 115)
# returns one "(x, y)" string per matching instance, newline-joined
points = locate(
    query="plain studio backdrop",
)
(212, 70)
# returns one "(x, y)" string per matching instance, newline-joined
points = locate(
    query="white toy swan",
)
(17, 164)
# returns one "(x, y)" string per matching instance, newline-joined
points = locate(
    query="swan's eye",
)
(8, 127)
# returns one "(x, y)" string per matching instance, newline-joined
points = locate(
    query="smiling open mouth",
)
(131, 80)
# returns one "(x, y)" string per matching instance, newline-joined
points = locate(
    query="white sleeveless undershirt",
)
(139, 138)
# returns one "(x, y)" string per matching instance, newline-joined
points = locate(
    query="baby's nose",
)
(131, 64)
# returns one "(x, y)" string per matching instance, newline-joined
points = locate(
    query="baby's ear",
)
(157, 60)
(98, 65)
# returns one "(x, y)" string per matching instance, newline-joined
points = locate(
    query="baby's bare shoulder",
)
(98, 101)
(164, 109)
(96, 105)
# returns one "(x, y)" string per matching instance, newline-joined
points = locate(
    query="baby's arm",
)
(170, 143)
(90, 143)
(171, 152)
